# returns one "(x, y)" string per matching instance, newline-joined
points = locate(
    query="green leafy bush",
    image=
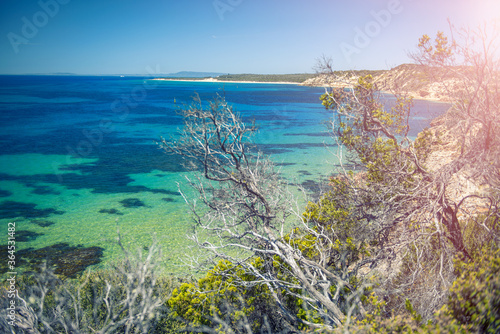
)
(222, 300)
(474, 299)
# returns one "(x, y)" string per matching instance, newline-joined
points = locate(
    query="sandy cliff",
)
(411, 79)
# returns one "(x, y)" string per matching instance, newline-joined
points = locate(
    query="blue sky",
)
(229, 36)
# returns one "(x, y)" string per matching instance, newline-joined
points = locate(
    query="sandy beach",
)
(228, 81)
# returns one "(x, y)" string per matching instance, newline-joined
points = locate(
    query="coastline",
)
(227, 81)
(415, 95)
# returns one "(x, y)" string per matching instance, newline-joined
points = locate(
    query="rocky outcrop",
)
(325, 80)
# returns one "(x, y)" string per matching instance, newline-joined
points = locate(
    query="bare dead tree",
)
(248, 211)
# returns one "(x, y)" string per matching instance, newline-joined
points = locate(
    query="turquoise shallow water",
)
(78, 158)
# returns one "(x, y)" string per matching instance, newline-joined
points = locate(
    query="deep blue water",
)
(80, 153)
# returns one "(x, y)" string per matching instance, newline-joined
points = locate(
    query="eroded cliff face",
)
(414, 80)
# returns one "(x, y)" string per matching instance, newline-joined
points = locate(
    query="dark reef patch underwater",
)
(26, 236)
(132, 203)
(5, 193)
(111, 211)
(13, 209)
(42, 223)
(67, 261)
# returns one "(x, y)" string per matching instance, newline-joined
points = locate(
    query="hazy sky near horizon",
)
(228, 36)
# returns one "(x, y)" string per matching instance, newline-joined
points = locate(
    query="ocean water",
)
(79, 157)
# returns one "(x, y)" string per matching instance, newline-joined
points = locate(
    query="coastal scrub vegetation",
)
(299, 77)
(126, 298)
(404, 240)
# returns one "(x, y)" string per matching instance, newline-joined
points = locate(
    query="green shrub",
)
(474, 299)
(221, 300)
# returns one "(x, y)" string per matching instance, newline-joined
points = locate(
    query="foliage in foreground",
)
(218, 303)
(126, 299)
(473, 304)
(215, 304)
